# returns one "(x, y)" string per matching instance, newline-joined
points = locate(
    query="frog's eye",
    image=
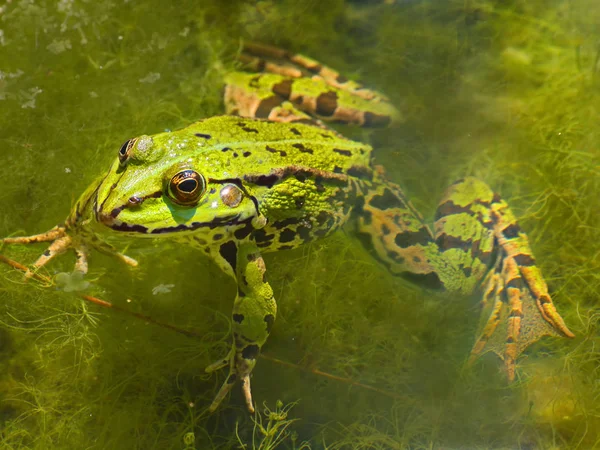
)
(126, 149)
(186, 187)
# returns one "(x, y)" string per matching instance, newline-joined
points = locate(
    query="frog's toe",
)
(217, 365)
(237, 371)
(50, 235)
(58, 247)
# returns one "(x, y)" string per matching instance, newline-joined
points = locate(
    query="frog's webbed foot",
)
(60, 241)
(239, 369)
(516, 304)
(518, 309)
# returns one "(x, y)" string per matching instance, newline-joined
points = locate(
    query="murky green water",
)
(505, 91)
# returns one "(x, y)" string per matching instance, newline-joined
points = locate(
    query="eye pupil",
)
(123, 150)
(188, 185)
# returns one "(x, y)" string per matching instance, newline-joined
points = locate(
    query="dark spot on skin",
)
(265, 180)
(524, 260)
(416, 259)
(251, 351)
(135, 228)
(235, 155)
(232, 378)
(228, 251)
(225, 149)
(511, 231)
(269, 320)
(341, 79)
(300, 177)
(319, 184)
(246, 154)
(287, 235)
(302, 148)
(395, 256)
(515, 313)
(516, 283)
(510, 340)
(231, 219)
(250, 130)
(285, 222)
(201, 241)
(409, 238)
(298, 100)
(467, 271)
(340, 195)
(283, 88)
(376, 120)
(359, 172)
(267, 105)
(217, 237)
(304, 233)
(387, 200)
(448, 208)
(285, 247)
(238, 318)
(385, 229)
(338, 169)
(445, 242)
(260, 236)
(315, 69)
(326, 136)
(213, 190)
(327, 104)
(282, 153)
(47, 253)
(342, 152)
(295, 131)
(545, 299)
(254, 81)
(322, 217)
(242, 233)
(203, 136)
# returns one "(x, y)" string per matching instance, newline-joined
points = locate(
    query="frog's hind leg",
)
(518, 309)
(306, 86)
(394, 232)
(266, 58)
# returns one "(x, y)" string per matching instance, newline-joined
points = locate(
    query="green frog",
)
(271, 176)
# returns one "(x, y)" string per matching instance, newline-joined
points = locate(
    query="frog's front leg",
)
(65, 237)
(254, 312)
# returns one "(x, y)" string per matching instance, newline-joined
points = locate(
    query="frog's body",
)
(236, 187)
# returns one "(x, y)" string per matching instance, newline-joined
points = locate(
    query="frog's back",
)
(248, 148)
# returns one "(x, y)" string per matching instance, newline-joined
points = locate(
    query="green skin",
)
(236, 187)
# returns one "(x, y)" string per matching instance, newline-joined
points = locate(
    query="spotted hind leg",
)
(517, 308)
(477, 244)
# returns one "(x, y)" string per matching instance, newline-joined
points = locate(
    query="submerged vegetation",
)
(504, 90)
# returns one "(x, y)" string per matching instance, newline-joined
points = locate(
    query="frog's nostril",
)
(134, 201)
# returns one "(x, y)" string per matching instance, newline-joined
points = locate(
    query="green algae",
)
(505, 91)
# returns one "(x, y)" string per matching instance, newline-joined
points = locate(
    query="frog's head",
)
(163, 184)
